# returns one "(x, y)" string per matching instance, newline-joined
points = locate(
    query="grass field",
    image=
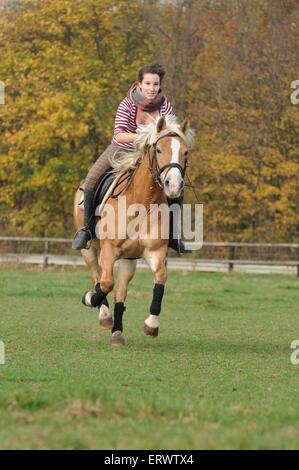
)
(218, 376)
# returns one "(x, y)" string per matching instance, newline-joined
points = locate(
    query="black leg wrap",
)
(105, 302)
(157, 299)
(119, 309)
(97, 298)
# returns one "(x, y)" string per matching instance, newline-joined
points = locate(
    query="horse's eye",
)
(186, 154)
(159, 151)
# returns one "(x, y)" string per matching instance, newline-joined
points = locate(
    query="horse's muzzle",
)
(173, 185)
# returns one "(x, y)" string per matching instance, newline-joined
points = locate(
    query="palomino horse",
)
(159, 163)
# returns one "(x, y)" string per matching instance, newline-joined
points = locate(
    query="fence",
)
(255, 257)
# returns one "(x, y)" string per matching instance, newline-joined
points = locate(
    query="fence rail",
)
(230, 262)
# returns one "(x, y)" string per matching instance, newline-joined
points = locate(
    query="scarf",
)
(143, 103)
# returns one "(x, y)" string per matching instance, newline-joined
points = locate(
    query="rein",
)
(154, 168)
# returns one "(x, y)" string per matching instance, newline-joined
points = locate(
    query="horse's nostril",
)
(182, 184)
(167, 183)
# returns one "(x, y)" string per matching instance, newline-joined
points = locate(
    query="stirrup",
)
(88, 242)
(178, 245)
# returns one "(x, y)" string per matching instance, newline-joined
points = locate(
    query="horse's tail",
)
(78, 210)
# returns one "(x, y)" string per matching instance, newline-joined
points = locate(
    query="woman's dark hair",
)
(151, 68)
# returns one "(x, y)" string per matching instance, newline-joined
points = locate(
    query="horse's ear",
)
(161, 124)
(184, 126)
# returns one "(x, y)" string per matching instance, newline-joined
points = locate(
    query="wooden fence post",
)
(231, 257)
(46, 258)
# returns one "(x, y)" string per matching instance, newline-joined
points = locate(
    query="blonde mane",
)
(122, 161)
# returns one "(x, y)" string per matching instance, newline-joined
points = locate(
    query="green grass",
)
(218, 376)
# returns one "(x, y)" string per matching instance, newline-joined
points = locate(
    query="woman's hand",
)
(125, 137)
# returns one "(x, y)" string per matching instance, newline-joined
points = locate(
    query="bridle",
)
(154, 168)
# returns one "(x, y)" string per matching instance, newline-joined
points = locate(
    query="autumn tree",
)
(67, 64)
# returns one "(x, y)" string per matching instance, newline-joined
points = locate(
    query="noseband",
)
(154, 168)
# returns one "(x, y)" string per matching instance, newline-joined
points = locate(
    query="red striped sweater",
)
(125, 119)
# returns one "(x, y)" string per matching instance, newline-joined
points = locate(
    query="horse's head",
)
(164, 144)
(168, 156)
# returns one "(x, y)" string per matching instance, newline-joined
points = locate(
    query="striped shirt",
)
(125, 119)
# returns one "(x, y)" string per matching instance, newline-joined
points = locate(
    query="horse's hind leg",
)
(126, 271)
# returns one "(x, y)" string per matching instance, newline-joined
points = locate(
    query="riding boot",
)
(175, 241)
(84, 235)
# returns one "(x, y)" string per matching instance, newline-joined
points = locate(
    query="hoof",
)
(117, 339)
(153, 332)
(106, 323)
(86, 299)
(105, 318)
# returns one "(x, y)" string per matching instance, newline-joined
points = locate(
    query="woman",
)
(144, 102)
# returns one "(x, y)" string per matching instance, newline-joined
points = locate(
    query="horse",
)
(157, 170)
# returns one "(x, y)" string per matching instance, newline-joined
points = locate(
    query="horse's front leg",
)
(157, 262)
(106, 260)
(91, 259)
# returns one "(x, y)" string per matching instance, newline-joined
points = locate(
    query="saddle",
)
(105, 189)
(102, 188)
(100, 191)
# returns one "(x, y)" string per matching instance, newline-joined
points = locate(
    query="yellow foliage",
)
(66, 66)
